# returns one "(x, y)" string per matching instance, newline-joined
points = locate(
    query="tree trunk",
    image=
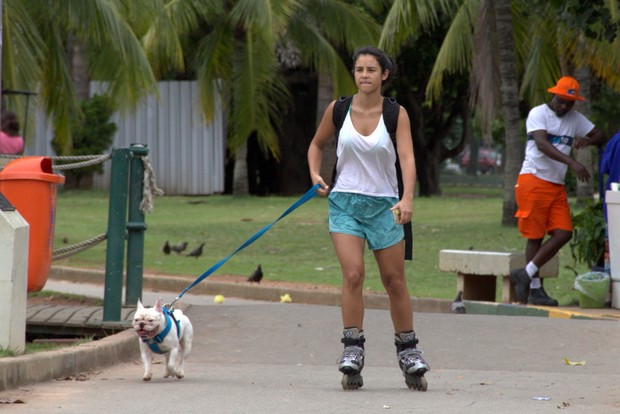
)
(298, 127)
(325, 96)
(78, 69)
(81, 84)
(240, 173)
(510, 107)
(585, 189)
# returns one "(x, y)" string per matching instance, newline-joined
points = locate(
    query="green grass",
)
(33, 348)
(298, 248)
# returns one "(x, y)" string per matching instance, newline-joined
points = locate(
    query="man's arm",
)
(595, 137)
(544, 146)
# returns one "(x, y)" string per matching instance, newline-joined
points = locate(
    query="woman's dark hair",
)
(384, 60)
(10, 124)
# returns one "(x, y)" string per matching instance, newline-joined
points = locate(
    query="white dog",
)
(165, 333)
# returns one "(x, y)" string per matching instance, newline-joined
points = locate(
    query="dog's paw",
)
(180, 374)
(147, 377)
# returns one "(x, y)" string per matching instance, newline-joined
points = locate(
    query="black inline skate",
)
(351, 362)
(410, 361)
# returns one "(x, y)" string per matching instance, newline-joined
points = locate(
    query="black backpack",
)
(391, 110)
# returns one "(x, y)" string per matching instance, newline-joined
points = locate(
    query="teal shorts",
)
(366, 217)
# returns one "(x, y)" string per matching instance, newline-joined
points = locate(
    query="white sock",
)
(531, 270)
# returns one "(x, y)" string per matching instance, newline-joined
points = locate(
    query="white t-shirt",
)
(561, 132)
(366, 164)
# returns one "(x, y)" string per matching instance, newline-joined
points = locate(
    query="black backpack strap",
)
(341, 107)
(391, 111)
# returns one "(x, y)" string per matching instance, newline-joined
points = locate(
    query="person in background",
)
(610, 164)
(11, 143)
(553, 130)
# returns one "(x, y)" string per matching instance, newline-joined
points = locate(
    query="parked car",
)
(488, 159)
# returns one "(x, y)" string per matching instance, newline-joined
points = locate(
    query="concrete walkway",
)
(271, 357)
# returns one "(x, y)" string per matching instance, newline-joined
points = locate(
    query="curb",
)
(492, 308)
(66, 362)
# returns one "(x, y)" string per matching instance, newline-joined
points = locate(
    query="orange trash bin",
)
(30, 185)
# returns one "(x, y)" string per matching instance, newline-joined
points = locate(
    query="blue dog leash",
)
(309, 195)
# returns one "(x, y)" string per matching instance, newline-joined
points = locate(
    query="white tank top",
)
(366, 164)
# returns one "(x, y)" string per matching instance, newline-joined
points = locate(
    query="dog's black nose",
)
(141, 325)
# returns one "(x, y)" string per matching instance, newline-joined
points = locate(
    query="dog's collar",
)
(154, 342)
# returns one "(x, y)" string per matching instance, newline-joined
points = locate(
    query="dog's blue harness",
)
(154, 342)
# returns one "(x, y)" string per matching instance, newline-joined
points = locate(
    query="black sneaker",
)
(540, 297)
(521, 282)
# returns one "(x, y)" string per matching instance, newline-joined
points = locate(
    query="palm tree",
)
(235, 45)
(509, 88)
(36, 35)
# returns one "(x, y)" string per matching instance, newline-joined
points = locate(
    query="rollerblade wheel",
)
(416, 382)
(352, 381)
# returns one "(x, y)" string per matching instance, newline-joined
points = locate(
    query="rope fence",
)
(78, 247)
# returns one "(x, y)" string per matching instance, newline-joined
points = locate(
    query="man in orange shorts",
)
(553, 129)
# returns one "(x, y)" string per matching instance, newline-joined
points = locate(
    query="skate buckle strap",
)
(353, 341)
(405, 341)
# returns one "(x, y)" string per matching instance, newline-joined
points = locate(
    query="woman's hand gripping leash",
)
(324, 189)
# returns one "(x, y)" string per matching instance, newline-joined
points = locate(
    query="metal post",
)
(136, 226)
(117, 217)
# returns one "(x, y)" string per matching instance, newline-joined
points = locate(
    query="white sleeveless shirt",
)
(366, 164)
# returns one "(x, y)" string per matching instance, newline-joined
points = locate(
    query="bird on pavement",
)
(197, 252)
(178, 249)
(257, 275)
(167, 248)
(458, 306)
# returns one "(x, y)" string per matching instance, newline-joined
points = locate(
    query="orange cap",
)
(567, 88)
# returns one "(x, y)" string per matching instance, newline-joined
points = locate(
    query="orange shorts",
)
(542, 207)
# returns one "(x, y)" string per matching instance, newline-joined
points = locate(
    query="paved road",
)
(281, 358)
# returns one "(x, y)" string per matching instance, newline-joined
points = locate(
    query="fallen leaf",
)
(567, 362)
(286, 298)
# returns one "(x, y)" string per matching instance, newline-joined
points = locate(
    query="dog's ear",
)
(140, 306)
(159, 305)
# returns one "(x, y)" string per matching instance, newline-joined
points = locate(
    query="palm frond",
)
(406, 18)
(456, 50)
(606, 68)
(213, 63)
(343, 24)
(22, 53)
(541, 71)
(319, 53)
(259, 95)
